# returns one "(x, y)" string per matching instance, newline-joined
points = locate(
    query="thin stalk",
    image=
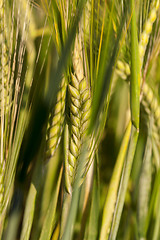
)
(124, 183)
(145, 185)
(95, 204)
(68, 232)
(91, 41)
(135, 71)
(156, 232)
(113, 187)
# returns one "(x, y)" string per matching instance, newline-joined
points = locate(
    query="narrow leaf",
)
(144, 189)
(113, 187)
(50, 217)
(29, 213)
(105, 71)
(31, 200)
(152, 200)
(94, 212)
(156, 232)
(124, 183)
(68, 232)
(135, 70)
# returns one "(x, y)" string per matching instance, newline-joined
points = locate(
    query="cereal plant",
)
(79, 119)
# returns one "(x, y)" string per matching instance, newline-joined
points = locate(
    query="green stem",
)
(113, 187)
(124, 183)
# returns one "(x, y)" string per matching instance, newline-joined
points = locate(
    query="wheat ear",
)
(56, 121)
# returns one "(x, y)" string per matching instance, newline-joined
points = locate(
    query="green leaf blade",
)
(50, 217)
(135, 71)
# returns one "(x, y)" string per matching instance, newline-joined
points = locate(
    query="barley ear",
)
(74, 135)
(80, 103)
(148, 100)
(4, 98)
(56, 121)
(144, 37)
(123, 69)
(151, 107)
